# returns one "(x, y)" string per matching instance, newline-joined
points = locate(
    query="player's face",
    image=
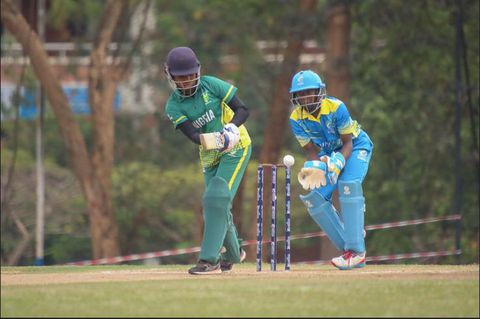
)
(307, 96)
(308, 99)
(187, 83)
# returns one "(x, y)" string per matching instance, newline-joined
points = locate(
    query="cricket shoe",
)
(349, 260)
(205, 268)
(226, 266)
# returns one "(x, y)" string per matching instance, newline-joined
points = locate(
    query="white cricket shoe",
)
(349, 260)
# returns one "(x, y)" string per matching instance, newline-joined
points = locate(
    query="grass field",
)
(305, 291)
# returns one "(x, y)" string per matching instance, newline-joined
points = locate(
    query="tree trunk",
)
(278, 111)
(14, 257)
(337, 51)
(93, 175)
(103, 81)
(278, 114)
(337, 79)
(18, 26)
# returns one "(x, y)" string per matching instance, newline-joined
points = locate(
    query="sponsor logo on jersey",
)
(204, 119)
(362, 155)
(205, 98)
(330, 145)
(330, 126)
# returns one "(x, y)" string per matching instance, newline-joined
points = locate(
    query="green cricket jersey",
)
(208, 111)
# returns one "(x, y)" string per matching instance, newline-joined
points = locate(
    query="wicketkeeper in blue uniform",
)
(338, 153)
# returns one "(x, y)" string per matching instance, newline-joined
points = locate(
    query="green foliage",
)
(78, 16)
(54, 144)
(64, 248)
(23, 159)
(152, 139)
(156, 208)
(65, 216)
(402, 93)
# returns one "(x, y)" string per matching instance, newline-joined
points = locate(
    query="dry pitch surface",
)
(393, 272)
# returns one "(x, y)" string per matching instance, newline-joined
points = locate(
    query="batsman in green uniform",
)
(199, 106)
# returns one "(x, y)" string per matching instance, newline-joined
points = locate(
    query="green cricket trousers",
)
(221, 183)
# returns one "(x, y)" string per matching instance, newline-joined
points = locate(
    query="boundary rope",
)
(182, 251)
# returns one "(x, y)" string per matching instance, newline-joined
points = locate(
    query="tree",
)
(337, 38)
(338, 28)
(277, 110)
(92, 170)
(277, 120)
(403, 89)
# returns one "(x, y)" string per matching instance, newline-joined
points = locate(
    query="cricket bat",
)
(212, 141)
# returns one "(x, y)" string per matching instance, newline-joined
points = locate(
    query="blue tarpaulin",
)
(77, 97)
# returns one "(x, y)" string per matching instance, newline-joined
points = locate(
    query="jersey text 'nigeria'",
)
(204, 119)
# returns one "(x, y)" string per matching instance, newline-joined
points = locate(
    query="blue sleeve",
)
(300, 134)
(345, 124)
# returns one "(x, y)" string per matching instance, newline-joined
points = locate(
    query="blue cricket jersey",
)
(324, 131)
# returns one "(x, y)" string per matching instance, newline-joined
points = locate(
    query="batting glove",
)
(231, 136)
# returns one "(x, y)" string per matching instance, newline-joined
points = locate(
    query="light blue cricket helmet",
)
(307, 80)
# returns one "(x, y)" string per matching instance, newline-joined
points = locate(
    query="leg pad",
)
(216, 205)
(353, 212)
(325, 215)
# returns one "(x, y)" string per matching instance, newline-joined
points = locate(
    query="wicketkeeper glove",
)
(335, 164)
(312, 175)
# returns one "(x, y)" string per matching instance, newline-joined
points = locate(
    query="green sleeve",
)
(174, 113)
(222, 89)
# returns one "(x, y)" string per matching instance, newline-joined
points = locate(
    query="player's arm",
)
(240, 110)
(337, 160)
(347, 147)
(230, 135)
(220, 140)
(189, 131)
(210, 141)
(346, 128)
(311, 151)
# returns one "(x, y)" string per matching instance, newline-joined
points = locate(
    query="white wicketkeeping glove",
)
(312, 175)
(231, 136)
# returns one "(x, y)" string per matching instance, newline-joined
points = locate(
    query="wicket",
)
(273, 225)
